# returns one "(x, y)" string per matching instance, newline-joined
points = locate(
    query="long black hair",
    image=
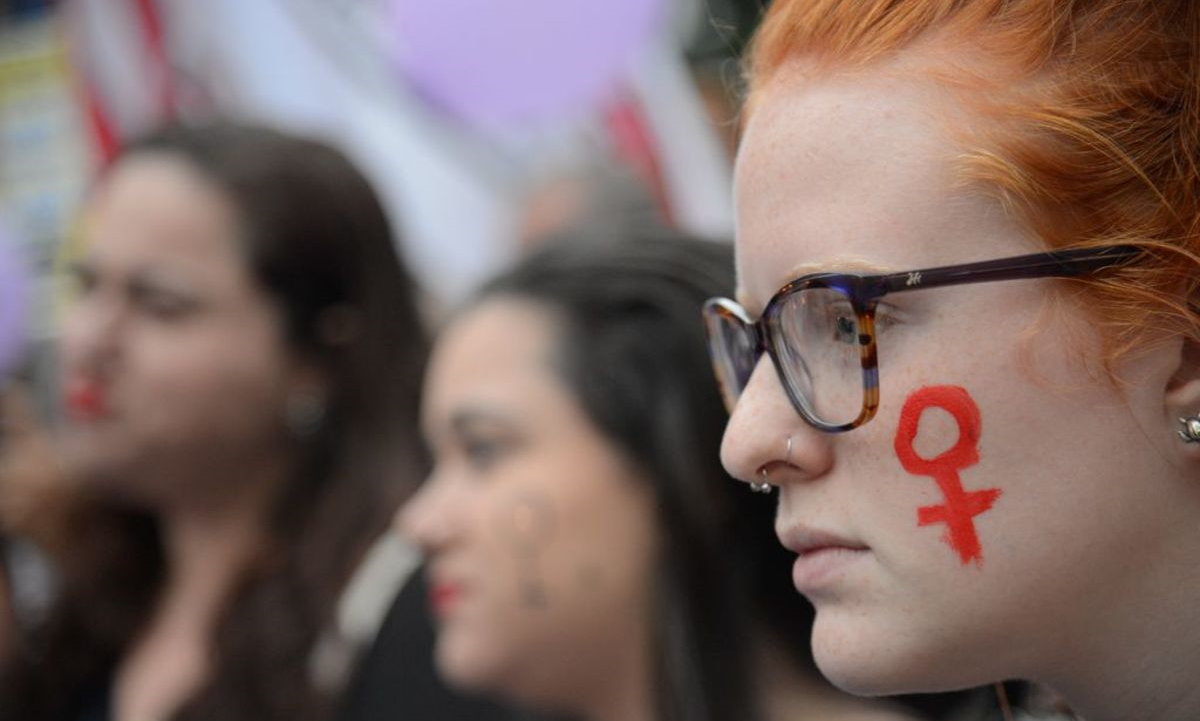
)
(631, 348)
(318, 242)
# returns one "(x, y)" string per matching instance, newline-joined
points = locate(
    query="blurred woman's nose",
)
(92, 332)
(765, 433)
(429, 517)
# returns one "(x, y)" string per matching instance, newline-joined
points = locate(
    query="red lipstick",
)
(442, 596)
(85, 400)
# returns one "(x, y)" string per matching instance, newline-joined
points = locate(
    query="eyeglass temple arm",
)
(1052, 264)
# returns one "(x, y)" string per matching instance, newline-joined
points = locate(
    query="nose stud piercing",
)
(1191, 429)
(765, 486)
(787, 456)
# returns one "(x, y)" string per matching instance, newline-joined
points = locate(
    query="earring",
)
(304, 413)
(1191, 429)
(765, 486)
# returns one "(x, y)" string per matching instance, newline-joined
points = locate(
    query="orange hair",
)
(1090, 123)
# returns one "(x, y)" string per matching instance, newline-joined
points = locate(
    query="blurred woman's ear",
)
(306, 402)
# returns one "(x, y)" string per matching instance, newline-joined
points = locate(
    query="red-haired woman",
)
(968, 241)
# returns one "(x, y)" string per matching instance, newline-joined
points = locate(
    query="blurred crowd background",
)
(485, 127)
(481, 123)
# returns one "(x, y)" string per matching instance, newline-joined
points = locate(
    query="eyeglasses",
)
(819, 329)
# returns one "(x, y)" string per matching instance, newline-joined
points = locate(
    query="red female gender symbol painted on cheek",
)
(961, 506)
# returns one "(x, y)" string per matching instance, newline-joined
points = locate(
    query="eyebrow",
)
(463, 418)
(152, 275)
(840, 265)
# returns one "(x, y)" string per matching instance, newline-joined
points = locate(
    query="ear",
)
(1182, 399)
(306, 398)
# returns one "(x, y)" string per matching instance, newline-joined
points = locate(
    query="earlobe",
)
(1183, 398)
(306, 403)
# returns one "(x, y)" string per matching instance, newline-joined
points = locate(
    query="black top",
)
(396, 679)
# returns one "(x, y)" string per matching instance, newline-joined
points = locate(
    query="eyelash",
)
(484, 453)
(160, 304)
(163, 305)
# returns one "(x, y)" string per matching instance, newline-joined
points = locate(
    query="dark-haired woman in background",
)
(240, 369)
(587, 554)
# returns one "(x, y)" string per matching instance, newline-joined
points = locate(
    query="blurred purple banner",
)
(499, 64)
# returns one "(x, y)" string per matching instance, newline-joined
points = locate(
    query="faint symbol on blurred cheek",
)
(528, 525)
(961, 506)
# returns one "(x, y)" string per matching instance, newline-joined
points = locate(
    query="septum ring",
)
(765, 486)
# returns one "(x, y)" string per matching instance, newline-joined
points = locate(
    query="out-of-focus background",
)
(485, 126)
(482, 123)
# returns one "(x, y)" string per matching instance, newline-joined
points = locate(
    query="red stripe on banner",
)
(103, 133)
(627, 127)
(152, 31)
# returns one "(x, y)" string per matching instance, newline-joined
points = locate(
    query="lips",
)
(443, 596)
(803, 540)
(85, 400)
(821, 557)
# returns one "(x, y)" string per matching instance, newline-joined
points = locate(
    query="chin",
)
(467, 665)
(866, 659)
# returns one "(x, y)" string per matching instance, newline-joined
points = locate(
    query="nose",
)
(92, 334)
(431, 517)
(757, 436)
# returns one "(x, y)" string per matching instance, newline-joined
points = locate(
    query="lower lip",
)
(442, 597)
(85, 401)
(821, 566)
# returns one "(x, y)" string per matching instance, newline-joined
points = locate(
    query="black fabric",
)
(396, 679)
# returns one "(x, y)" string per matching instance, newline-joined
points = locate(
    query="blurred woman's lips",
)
(443, 595)
(85, 400)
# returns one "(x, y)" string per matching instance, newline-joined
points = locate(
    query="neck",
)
(620, 689)
(630, 700)
(791, 693)
(208, 546)
(1143, 670)
(210, 540)
(206, 550)
(1135, 650)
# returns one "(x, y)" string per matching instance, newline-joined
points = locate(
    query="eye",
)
(841, 324)
(82, 280)
(161, 303)
(483, 453)
(845, 329)
(886, 316)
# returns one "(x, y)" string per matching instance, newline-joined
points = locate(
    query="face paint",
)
(961, 506)
(529, 526)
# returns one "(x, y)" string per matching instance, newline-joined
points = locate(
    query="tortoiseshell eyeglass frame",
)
(863, 293)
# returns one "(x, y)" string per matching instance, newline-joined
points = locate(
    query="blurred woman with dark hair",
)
(240, 369)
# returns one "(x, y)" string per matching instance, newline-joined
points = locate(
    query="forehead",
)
(157, 209)
(499, 352)
(848, 170)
